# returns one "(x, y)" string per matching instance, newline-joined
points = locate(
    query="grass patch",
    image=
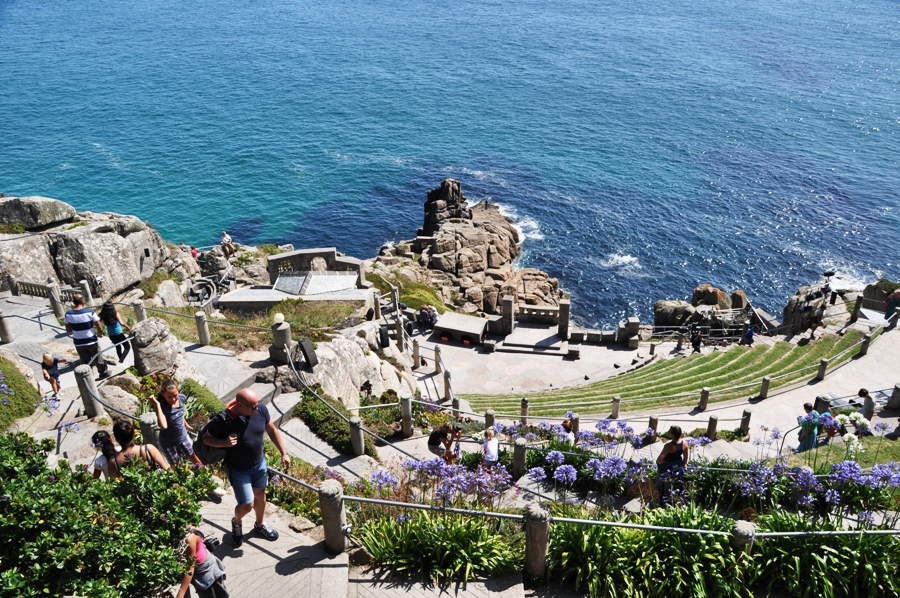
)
(17, 396)
(268, 249)
(11, 229)
(413, 294)
(877, 449)
(151, 285)
(327, 425)
(887, 286)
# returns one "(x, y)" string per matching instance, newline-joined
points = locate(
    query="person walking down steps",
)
(84, 326)
(110, 316)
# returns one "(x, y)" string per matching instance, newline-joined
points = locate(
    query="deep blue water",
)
(643, 147)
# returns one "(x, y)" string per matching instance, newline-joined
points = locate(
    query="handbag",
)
(210, 454)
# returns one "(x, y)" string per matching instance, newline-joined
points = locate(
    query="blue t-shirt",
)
(248, 452)
(114, 329)
(176, 432)
(52, 369)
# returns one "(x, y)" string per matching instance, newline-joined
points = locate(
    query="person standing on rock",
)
(84, 326)
(239, 430)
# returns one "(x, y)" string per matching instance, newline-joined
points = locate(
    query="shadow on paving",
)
(380, 580)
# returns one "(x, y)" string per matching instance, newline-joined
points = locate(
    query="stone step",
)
(526, 350)
(752, 452)
(282, 407)
(225, 375)
(266, 391)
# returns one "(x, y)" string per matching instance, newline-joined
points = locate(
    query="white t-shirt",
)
(492, 450)
(102, 464)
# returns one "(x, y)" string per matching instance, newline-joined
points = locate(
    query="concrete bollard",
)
(519, 450)
(455, 407)
(894, 401)
(401, 340)
(87, 388)
(764, 388)
(13, 285)
(406, 423)
(140, 314)
(334, 517)
(575, 422)
(489, 419)
(149, 429)
(864, 346)
(704, 399)
(523, 411)
(437, 360)
(823, 369)
(202, 328)
(745, 422)
(59, 310)
(857, 307)
(680, 342)
(537, 540)
(617, 403)
(712, 427)
(448, 392)
(508, 315)
(417, 360)
(377, 306)
(742, 535)
(357, 441)
(86, 292)
(6, 335)
(654, 424)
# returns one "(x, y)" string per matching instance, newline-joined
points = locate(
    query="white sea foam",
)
(625, 265)
(527, 227)
(489, 176)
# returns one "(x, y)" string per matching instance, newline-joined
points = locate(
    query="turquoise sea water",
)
(643, 147)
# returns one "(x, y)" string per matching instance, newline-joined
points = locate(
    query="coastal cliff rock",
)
(34, 211)
(156, 349)
(27, 258)
(672, 313)
(120, 399)
(706, 294)
(442, 204)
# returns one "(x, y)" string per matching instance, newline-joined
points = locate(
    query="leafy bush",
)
(887, 286)
(66, 533)
(268, 249)
(329, 426)
(18, 397)
(209, 404)
(441, 547)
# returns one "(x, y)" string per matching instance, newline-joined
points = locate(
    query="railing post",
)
(395, 299)
(704, 399)
(398, 327)
(357, 441)
(13, 285)
(202, 328)
(712, 427)
(455, 405)
(150, 429)
(680, 342)
(140, 314)
(652, 348)
(437, 360)
(416, 357)
(334, 517)
(654, 424)
(406, 416)
(745, 422)
(537, 540)
(86, 292)
(377, 306)
(616, 405)
(864, 346)
(6, 335)
(84, 378)
(575, 422)
(519, 450)
(764, 388)
(823, 367)
(448, 392)
(523, 411)
(59, 309)
(856, 309)
(489, 419)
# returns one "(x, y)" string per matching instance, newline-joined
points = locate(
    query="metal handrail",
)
(102, 351)
(38, 321)
(314, 393)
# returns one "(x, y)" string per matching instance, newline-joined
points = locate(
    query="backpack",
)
(210, 454)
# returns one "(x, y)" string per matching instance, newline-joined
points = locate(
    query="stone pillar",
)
(575, 421)
(742, 535)
(406, 423)
(395, 300)
(203, 328)
(894, 401)
(617, 403)
(856, 309)
(140, 313)
(834, 297)
(823, 367)
(654, 424)
(652, 348)
(417, 359)
(86, 292)
(334, 517)
(455, 406)
(283, 345)
(764, 388)
(437, 359)
(401, 340)
(537, 540)
(377, 306)
(508, 313)
(519, 450)
(523, 411)
(864, 347)
(634, 326)
(84, 378)
(563, 329)
(448, 392)
(745, 422)
(357, 440)
(150, 429)
(489, 419)
(13, 285)
(712, 427)
(6, 335)
(704, 399)
(59, 309)
(822, 404)
(680, 342)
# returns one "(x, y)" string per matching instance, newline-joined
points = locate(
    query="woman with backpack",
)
(206, 573)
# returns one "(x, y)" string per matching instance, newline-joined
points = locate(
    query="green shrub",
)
(887, 286)
(441, 547)
(65, 533)
(150, 285)
(209, 403)
(11, 229)
(268, 249)
(329, 426)
(18, 398)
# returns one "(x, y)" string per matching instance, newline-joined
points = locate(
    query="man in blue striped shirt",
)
(81, 322)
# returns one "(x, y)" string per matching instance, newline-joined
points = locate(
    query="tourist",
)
(239, 430)
(103, 443)
(868, 408)
(748, 336)
(891, 304)
(696, 340)
(50, 369)
(491, 449)
(568, 432)
(809, 428)
(441, 440)
(81, 323)
(422, 319)
(195, 253)
(206, 572)
(818, 320)
(433, 316)
(227, 244)
(114, 324)
(124, 433)
(674, 455)
(173, 436)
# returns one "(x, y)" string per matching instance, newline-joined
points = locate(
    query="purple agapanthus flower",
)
(555, 458)
(537, 474)
(565, 474)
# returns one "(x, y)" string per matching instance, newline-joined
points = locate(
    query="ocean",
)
(642, 148)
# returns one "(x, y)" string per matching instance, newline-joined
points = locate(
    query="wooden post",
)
(489, 419)
(745, 422)
(84, 378)
(575, 422)
(864, 347)
(704, 399)
(437, 360)
(680, 342)
(6, 335)
(537, 540)
(455, 407)
(13, 285)
(401, 340)
(86, 292)
(523, 411)
(519, 450)
(59, 309)
(149, 429)
(406, 423)
(823, 367)
(652, 348)
(357, 440)
(764, 388)
(654, 424)
(416, 357)
(857, 307)
(377, 306)
(448, 392)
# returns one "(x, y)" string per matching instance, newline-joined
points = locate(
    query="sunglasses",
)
(250, 407)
